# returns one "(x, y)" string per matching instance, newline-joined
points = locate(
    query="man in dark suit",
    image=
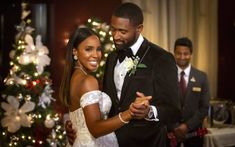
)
(155, 74)
(194, 91)
(158, 78)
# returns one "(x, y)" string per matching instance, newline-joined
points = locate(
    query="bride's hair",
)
(79, 35)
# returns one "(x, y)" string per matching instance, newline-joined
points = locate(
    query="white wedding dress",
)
(84, 137)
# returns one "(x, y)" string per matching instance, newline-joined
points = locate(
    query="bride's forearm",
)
(102, 127)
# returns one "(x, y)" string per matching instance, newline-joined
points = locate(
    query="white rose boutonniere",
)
(132, 64)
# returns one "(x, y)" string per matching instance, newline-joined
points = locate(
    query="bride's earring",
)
(75, 57)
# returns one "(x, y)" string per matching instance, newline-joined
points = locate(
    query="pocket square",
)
(197, 89)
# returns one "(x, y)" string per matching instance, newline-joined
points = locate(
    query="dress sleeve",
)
(90, 97)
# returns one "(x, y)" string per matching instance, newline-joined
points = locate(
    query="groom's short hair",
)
(130, 11)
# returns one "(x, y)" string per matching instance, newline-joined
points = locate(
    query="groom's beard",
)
(121, 46)
(124, 45)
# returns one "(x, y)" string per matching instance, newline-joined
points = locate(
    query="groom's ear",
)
(139, 28)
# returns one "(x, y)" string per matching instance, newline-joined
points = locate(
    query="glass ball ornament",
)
(49, 123)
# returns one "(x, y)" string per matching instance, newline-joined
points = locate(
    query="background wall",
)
(226, 54)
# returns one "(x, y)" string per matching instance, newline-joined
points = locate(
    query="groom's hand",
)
(140, 107)
(70, 132)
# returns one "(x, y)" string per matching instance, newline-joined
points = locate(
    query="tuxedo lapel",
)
(190, 83)
(142, 50)
(140, 53)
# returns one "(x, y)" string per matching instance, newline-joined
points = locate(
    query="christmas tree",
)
(27, 116)
(104, 33)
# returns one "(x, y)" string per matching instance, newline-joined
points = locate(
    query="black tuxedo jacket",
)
(196, 101)
(159, 80)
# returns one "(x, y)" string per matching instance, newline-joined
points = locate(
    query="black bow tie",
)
(122, 54)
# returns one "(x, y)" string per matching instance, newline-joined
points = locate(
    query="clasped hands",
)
(140, 107)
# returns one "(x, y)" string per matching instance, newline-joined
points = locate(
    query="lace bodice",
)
(84, 138)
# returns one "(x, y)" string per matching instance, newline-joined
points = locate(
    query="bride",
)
(79, 91)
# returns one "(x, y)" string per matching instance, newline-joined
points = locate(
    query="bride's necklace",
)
(85, 73)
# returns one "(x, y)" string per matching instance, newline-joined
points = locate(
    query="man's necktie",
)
(183, 86)
(122, 54)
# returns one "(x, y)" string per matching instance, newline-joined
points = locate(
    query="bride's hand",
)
(140, 107)
(141, 99)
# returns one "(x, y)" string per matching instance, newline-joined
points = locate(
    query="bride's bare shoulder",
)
(89, 83)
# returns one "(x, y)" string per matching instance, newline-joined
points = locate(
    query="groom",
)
(157, 77)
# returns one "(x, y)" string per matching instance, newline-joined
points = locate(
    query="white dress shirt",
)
(120, 72)
(186, 75)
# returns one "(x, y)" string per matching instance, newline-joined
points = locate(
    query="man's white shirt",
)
(186, 73)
